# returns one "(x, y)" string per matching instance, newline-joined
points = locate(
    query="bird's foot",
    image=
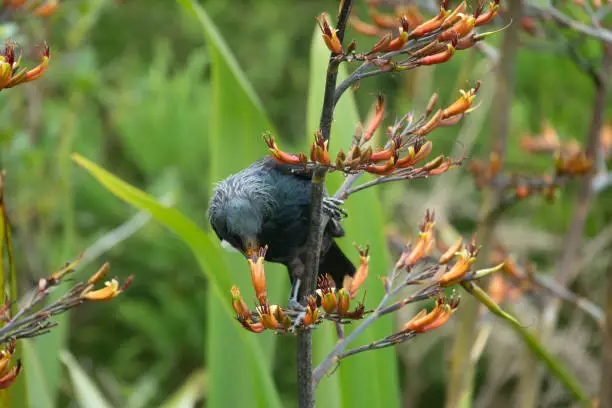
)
(333, 208)
(293, 302)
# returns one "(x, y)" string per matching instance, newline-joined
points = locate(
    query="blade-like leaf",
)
(236, 123)
(86, 392)
(367, 379)
(190, 392)
(214, 267)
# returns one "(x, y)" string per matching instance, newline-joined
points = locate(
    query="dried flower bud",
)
(99, 275)
(431, 105)
(382, 44)
(451, 252)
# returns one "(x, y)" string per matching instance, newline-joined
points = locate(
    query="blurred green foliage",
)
(134, 88)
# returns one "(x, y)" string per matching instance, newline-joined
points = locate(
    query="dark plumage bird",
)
(268, 204)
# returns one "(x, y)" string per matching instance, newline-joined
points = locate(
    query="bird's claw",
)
(293, 303)
(333, 208)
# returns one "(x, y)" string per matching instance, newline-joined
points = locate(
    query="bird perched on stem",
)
(268, 204)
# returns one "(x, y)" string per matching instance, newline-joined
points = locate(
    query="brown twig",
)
(306, 396)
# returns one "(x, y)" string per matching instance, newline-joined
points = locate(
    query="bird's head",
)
(238, 209)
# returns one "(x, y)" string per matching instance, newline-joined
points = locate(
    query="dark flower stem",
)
(306, 397)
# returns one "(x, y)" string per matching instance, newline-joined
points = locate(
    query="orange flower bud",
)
(454, 17)
(440, 168)
(327, 292)
(110, 291)
(312, 313)
(419, 250)
(408, 160)
(9, 378)
(251, 326)
(485, 18)
(239, 305)
(376, 119)
(383, 155)
(6, 356)
(344, 301)
(267, 318)
(362, 271)
(423, 151)
(47, 9)
(424, 322)
(329, 36)
(280, 316)
(398, 43)
(458, 270)
(433, 164)
(439, 57)
(281, 156)
(459, 30)
(451, 252)
(431, 124)
(429, 25)
(26, 76)
(382, 169)
(462, 104)
(258, 275)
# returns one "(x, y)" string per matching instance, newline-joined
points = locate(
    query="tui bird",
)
(268, 204)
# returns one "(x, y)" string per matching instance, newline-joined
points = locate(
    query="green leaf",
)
(86, 392)
(218, 273)
(365, 224)
(236, 123)
(190, 392)
(39, 394)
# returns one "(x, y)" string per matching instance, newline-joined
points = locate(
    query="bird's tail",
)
(336, 264)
